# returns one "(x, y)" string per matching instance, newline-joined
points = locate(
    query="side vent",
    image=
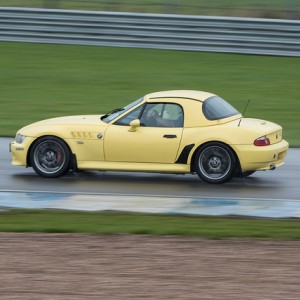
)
(183, 157)
(82, 134)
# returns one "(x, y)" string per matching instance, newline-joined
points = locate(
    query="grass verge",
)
(40, 81)
(50, 221)
(266, 8)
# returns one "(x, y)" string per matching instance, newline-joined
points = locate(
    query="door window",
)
(162, 115)
(133, 115)
(155, 115)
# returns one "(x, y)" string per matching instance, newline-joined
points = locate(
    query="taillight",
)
(262, 141)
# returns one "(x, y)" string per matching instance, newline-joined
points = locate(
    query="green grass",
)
(40, 81)
(266, 8)
(134, 223)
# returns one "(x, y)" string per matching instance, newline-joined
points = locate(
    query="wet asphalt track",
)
(283, 183)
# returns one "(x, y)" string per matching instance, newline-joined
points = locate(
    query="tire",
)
(50, 157)
(215, 163)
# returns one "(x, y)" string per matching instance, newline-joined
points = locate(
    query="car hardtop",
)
(178, 94)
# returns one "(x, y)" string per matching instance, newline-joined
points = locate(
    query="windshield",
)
(215, 108)
(118, 111)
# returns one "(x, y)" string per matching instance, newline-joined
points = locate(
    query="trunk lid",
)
(269, 129)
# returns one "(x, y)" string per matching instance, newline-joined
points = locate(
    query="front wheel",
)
(50, 157)
(215, 163)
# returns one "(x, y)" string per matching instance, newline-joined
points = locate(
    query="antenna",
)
(244, 111)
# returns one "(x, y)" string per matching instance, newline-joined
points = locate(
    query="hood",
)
(71, 120)
(65, 126)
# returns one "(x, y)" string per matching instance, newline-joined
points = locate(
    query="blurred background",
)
(288, 9)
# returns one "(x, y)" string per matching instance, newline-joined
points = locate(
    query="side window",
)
(162, 115)
(133, 115)
(174, 113)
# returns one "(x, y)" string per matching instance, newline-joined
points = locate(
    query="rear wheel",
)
(215, 163)
(50, 157)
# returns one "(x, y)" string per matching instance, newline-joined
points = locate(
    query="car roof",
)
(183, 94)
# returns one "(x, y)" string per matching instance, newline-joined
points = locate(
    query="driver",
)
(155, 120)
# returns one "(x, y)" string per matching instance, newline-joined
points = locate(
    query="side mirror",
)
(134, 125)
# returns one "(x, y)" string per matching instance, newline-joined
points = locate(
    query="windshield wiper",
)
(117, 109)
(112, 112)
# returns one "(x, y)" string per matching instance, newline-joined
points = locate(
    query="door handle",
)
(170, 136)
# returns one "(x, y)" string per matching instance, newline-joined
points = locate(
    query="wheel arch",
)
(192, 164)
(73, 156)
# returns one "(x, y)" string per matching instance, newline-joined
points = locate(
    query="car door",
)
(156, 140)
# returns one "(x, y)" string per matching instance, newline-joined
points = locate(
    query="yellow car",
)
(170, 132)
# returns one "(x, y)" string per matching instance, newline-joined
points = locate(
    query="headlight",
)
(20, 138)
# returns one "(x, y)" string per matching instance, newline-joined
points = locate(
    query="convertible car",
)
(166, 132)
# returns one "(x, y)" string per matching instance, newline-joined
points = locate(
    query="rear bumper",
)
(262, 158)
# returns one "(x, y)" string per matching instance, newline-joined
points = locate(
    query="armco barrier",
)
(157, 31)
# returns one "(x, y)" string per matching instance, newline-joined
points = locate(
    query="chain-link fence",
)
(285, 9)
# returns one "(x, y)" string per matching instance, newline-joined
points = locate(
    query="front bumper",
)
(19, 151)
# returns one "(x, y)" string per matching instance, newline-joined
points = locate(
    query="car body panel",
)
(147, 144)
(134, 167)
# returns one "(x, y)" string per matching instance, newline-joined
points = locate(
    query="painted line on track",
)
(147, 195)
(212, 206)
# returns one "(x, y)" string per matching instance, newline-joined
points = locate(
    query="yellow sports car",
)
(170, 132)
